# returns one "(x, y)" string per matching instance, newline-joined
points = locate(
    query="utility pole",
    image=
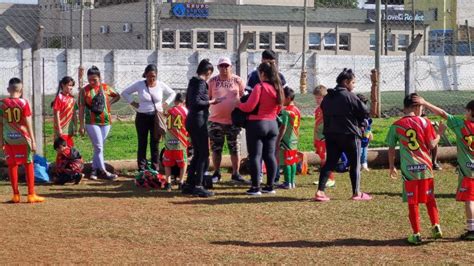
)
(159, 10)
(81, 46)
(147, 4)
(70, 23)
(303, 83)
(468, 31)
(413, 25)
(378, 31)
(385, 29)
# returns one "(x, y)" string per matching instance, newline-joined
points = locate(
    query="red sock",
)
(13, 174)
(433, 211)
(30, 178)
(414, 215)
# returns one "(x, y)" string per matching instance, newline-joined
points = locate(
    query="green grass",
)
(117, 223)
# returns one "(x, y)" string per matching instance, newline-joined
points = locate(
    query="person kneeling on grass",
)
(290, 118)
(464, 130)
(69, 163)
(176, 141)
(17, 139)
(416, 137)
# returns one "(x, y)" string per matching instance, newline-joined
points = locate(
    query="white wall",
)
(122, 67)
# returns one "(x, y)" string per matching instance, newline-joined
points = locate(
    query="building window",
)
(185, 39)
(168, 39)
(314, 41)
(251, 44)
(202, 40)
(281, 40)
(372, 42)
(403, 42)
(344, 41)
(329, 41)
(265, 40)
(220, 39)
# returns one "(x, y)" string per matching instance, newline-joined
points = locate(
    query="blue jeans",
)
(363, 155)
(98, 134)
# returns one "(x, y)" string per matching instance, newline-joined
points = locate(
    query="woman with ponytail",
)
(64, 111)
(262, 130)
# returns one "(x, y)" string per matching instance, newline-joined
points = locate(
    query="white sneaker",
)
(331, 183)
(110, 176)
(365, 167)
(93, 175)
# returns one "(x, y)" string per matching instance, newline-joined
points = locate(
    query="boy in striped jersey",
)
(176, 140)
(416, 138)
(464, 131)
(18, 140)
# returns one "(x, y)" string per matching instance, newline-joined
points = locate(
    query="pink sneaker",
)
(363, 197)
(321, 198)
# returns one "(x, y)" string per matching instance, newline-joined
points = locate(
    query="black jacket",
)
(197, 96)
(343, 112)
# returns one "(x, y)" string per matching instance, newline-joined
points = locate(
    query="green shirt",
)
(464, 131)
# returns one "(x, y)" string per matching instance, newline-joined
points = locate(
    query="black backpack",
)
(98, 102)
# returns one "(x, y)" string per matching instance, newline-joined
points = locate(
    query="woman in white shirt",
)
(150, 98)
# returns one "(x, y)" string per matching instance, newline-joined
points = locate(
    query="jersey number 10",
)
(13, 115)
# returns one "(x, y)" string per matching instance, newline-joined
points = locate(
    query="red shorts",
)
(320, 149)
(466, 190)
(288, 157)
(176, 157)
(419, 191)
(17, 154)
(68, 139)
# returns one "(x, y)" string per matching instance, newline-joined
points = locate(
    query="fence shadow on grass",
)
(394, 194)
(349, 242)
(218, 200)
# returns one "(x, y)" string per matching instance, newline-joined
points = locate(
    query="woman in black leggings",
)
(197, 102)
(262, 128)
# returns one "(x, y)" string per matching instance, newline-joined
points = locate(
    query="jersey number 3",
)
(470, 142)
(413, 142)
(13, 115)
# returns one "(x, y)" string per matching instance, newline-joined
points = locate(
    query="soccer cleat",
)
(331, 183)
(254, 191)
(15, 198)
(293, 185)
(468, 236)
(436, 232)
(437, 167)
(414, 239)
(35, 199)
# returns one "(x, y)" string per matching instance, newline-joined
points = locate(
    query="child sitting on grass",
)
(69, 163)
(464, 130)
(290, 118)
(176, 141)
(416, 138)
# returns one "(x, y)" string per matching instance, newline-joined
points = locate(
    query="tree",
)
(336, 3)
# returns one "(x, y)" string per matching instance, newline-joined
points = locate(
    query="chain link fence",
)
(122, 37)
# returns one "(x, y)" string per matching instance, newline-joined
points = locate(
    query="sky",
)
(20, 1)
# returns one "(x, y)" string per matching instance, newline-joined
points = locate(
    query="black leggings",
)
(144, 124)
(261, 138)
(196, 125)
(335, 146)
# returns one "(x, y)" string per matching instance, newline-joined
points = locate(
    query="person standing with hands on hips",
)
(95, 101)
(150, 100)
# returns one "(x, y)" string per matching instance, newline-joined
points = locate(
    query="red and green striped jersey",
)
(290, 117)
(318, 123)
(65, 105)
(176, 137)
(85, 99)
(464, 131)
(14, 112)
(414, 135)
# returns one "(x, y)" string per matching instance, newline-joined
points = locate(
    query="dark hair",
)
(14, 82)
(470, 107)
(289, 93)
(64, 81)
(408, 101)
(346, 74)
(362, 98)
(150, 68)
(58, 142)
(93, 71)
(271, 72)
(204, 67)
(269, 54)
(179, 98)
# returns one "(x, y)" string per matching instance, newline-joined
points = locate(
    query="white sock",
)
(470, 224)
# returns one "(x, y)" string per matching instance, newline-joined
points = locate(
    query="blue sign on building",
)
(190, 10)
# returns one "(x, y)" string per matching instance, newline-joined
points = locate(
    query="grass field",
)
(114, 222)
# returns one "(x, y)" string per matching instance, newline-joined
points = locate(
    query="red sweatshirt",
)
(268, 108)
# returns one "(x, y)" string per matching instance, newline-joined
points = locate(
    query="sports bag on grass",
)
(159, 122)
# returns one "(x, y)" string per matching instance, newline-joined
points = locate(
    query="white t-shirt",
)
(144, 97)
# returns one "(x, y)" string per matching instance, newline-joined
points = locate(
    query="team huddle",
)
(414, 134)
